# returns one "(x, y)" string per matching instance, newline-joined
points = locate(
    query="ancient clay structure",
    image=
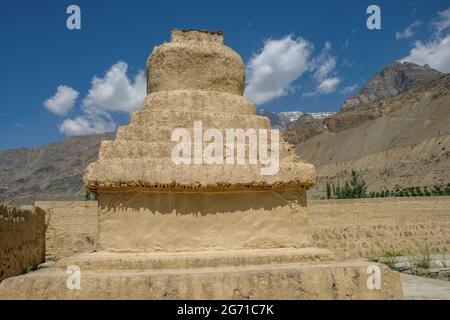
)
(148, 203)
(199, 231)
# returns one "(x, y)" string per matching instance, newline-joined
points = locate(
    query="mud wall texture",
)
(351, 228)
(22, 240)
(72, 227)
(370, 227)
(149, 222)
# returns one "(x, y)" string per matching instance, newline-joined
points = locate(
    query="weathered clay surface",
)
(71, 227)
(351, 228)
(371, 227)
(195, 77)
(251, 230)
(106, 260)
(195, 60)
(200, 276)
(22, 240)
(156, 221)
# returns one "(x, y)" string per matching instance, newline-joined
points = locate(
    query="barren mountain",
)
(51, 172)
(393, 139)
(402, 141)
(394, 79)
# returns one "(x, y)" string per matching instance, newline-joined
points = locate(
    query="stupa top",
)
(179, 35)
(195, 81)
(195, 60)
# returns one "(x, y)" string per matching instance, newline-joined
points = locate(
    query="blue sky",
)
(39, 53)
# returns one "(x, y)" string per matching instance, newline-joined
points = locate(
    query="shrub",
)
(89, 196)
(389, 258)
(354, 188)
(328, 191)
(421, 262)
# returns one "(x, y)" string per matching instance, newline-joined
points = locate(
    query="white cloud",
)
(62, 101)
(115, 92)
(435, 53)
(408, 32)
(442, 22)
(328, 85)
(272, 71)
(325, 77)
(87, 124)
(349, 89)
(324, 64)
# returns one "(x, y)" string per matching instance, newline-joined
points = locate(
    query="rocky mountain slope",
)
(55, 171)
(394, 139)
(400, 141)
(394, 79)
(51, 172)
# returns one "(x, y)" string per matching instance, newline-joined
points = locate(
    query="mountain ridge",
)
(50, 172)
(392, 80)
(404, 139)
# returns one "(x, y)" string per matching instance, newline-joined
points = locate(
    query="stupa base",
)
(306, 273)
(202, 221)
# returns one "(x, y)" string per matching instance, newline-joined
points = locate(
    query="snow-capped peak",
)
(289, 117)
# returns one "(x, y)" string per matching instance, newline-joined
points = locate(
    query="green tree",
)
(338, 191)
(347, 193)
(328, 191)
(419, 192)
(358, 186)
(447, 190)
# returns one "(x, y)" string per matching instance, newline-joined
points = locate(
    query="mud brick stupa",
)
(149, 203)
(195, 230)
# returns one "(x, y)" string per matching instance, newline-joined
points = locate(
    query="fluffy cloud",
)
(408, 32)
(328, 85)
(324, 64)
(442, 22)
(87, 124)
(62, 101)
(114, 92)
(435, 51)
(324, 73)
(272, 71)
